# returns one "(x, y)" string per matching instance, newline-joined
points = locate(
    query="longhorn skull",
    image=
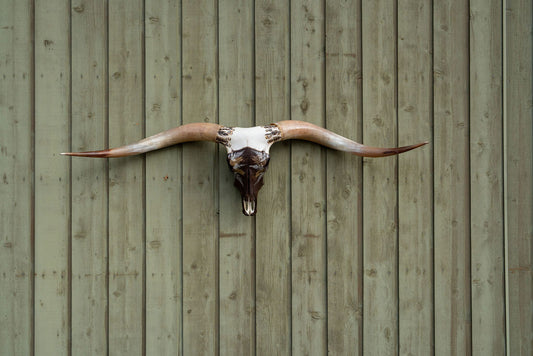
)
(247, 148)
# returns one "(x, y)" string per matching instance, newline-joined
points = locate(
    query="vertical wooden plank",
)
(16, 172)
(272, 88)
(415, 183)
(309, 333)
(237, 304)
(519, 174)
(126, 181)
(52, 172)
(486, 181)
(451, 182)
(344, 178)
(200, 232)
(163, 179)
(380, 226)
(89, 178)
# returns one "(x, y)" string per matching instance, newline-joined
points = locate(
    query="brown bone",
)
(248, 148)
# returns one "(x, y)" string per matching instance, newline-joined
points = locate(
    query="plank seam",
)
(504, 177)
(468, 263)
(362, 192)
(432, 111)
(325, 177)
(143, 177)
(216, 181)
(106, 128)
(33, 160)
(397, 175)
(254, 220)
(362, 248)
(289, 55)
(69, 237)
(180, 157)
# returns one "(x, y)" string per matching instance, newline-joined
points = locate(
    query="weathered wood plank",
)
(519, 175)
(52, 176)
(89, 179)
(126, 179)
(415, 181)
(344, 179)
(236, 256)
(200, 162)
(309, 333)
(272, 88)
(16, 172)
(163, 179)
(380, 205)
(451, 179)
(486, 180)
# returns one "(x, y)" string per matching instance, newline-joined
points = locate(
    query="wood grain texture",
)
(89, 179)
(237, 235)
(126, 179)
(52, 177)
(451, 178)
(344, 179)
(486, 179)
(200, 162)
(163, 179)
(519, 174)
(380, 205)
(415, 188)
(425, 253)
(272, 103)
(309, 327)
(16, 172)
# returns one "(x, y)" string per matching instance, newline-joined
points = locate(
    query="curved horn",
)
(301, 130)
(185, 133)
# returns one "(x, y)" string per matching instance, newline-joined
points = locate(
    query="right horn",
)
(300, 130)
(185, 133)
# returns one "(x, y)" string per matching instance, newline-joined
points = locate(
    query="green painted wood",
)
(163, 179)
(344, 179)
(126, 180)
(486, 178)
(308, 183)
(292, 280)
(451, 178)
(89, 179)
(237, 237)
(519, 174)
(380, 205)
(273, 222)
(415, 184)
(16, 172)
(52, 178)
(200, 162)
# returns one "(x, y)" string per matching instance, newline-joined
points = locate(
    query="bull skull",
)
(247, 148)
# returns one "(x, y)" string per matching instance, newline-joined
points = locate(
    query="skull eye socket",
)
(240, 164)
(239, 171)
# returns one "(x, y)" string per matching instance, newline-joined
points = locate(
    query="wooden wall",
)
(426, 253)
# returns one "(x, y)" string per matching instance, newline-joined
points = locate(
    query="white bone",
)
(253, 137)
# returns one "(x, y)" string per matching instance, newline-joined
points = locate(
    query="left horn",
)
(185, 133)
(301, 130)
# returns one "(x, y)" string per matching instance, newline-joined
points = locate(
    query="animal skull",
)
(247, 148)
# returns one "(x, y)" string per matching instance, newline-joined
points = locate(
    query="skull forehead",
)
(253, 137)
